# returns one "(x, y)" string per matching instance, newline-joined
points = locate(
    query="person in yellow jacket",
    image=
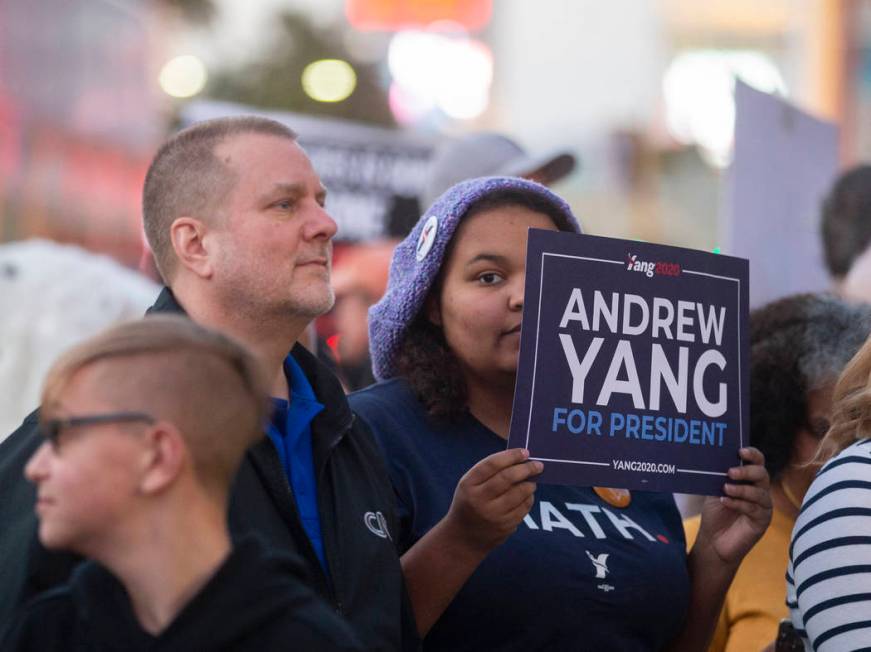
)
(798, 347)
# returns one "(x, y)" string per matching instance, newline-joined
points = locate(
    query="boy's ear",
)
(191, 245)
(164, 458)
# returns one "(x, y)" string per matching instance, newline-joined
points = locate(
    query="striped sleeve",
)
(829, 573)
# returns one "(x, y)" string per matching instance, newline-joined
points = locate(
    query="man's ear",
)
(432, 309)
(164, 458)
(188, 237)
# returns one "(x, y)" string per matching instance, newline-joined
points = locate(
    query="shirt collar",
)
(300, 387)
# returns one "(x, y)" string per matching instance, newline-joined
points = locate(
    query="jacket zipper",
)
(295, 523)
(329, 550)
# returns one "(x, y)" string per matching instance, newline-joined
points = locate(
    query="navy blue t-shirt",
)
(579, 574)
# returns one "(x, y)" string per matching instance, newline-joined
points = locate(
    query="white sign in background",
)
(784, 164)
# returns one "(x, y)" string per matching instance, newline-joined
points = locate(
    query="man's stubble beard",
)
(263, 303)
(314, 308)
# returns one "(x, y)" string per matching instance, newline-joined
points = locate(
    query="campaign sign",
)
(633, 364)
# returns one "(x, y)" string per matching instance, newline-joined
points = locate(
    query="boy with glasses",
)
(144, 428)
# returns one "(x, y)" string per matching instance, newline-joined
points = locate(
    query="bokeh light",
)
(329, 80)
(433, 68)
(408, 107)
(183, 76)
(699, 90)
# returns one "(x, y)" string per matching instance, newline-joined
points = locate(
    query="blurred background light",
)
(439, 68)
(395, 15)
(698, 88)
(406, 106)
(329, 80)
(183, 76)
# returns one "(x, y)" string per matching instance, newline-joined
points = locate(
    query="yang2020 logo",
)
(650, 268)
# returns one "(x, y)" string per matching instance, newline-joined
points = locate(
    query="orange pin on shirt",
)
(616, 497)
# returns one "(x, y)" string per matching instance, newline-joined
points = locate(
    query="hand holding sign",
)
(492, 498)
(733, 523)
(633, 363)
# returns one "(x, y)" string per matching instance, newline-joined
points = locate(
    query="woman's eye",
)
(490, 278)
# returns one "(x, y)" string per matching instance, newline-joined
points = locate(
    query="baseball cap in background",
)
(486, 154)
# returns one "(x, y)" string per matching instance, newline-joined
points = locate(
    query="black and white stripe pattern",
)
(829, 573)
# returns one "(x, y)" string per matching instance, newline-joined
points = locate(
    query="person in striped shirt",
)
(829, 572)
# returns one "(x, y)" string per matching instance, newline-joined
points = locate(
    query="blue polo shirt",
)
(290, 432)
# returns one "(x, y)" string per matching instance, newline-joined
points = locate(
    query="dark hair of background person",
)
(403, 213)
(797, 344)
(846, 220)
(424, 359)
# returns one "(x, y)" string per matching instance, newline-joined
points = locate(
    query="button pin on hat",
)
(427, 238)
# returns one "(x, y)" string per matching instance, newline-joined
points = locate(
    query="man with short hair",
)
(234, 213)
(144, 427)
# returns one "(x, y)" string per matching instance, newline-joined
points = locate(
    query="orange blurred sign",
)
(393, 15)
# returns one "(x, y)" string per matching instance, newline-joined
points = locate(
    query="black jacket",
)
(355, 501)
(254, 602)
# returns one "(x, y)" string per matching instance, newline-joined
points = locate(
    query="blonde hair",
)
(204, 383)
(187, 178)
(851, 406)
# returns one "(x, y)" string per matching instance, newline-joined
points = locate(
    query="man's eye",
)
(490, 278)
(284, 204)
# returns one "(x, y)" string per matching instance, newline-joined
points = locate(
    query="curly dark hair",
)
(423, 358)
(846, 219)
(797, 344)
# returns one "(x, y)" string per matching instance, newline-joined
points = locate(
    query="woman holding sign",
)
(587, 568)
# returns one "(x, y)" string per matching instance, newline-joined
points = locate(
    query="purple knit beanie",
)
(418, 259)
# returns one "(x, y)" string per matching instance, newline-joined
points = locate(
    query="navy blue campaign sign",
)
(633, 364)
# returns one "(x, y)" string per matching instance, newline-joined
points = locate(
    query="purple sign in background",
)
(633, 364)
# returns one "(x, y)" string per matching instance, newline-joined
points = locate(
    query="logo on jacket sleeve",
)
(377, 524)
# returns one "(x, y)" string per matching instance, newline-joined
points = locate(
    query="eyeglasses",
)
(51, 428)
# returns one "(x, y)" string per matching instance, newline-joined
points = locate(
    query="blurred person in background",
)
(487, 154)
(359, 280)
(829, 571)
(144, 427)
(846, 233)
(587, 568)
(798, 347)
(51, 297)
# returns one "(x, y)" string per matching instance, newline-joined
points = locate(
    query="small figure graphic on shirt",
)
(600, 563)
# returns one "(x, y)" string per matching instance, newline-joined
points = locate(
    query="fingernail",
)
(539, 466)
